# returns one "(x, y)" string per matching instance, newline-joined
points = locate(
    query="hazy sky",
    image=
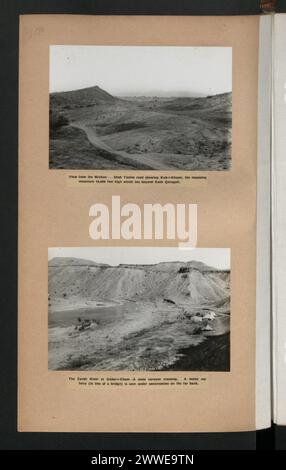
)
(138, 70)
(216, 257)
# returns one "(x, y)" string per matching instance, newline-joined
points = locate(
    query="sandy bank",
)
(64, 306)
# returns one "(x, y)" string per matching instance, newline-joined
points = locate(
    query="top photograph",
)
(140, 108)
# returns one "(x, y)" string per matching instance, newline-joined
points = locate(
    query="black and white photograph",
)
(139, 309)
(140, 108)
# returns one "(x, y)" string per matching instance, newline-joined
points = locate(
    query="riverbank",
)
(62, 305)
(213, 354)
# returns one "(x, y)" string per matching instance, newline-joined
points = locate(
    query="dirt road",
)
(140, 161)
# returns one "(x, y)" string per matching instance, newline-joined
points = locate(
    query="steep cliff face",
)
(194, 282)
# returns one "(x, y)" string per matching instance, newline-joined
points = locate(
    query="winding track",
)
(137, 161)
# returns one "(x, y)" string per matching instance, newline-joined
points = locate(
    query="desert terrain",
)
(165, 316)
(91, 129)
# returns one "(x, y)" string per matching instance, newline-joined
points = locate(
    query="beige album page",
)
(137, 223)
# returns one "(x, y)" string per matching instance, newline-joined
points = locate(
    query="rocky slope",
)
(84, 97)
(193, 282)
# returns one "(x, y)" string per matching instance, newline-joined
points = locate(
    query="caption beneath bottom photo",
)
(92, 381)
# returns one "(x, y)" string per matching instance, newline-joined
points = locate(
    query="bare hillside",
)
(156, 133)
(193, 282)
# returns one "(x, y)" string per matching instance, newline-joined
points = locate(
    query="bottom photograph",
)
(139, 309)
